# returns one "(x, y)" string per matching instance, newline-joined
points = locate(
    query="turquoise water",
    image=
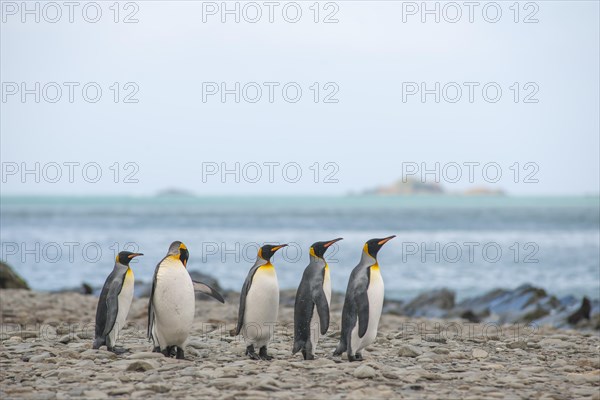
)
(469, 244)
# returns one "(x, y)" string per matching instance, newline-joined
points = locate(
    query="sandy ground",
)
(46, 353)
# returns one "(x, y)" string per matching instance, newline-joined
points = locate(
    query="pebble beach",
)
(46, 353)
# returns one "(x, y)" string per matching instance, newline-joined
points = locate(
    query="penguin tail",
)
(340, 349)
(97, 343)
(298, 345)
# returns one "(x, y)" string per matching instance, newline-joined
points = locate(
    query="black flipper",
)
(106, 312)
(151, 304)
(363, 312)
(323, 310)
(112, 303)
(243, 294)
(354, 307)
(303, 312)
(204, 288)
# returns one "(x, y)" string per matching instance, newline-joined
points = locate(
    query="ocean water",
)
(468, 244)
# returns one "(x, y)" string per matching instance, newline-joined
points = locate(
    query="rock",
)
(145, 355)
(85, 289)
(92, 354)
(39, 358)
(583, 312)
(95, 394)
(409, 351)
(9, 279)
(523, 304)
(65, 339)
(121, 390)
(479, 353)
(519, 344)
(26, 334)
(470, 316)
(364, 371)
(140, 366)
(435, 303)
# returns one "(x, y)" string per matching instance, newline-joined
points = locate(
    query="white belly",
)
(262, 307)
(174, 304)
(124, 301)
(315, 324)
(375, 294)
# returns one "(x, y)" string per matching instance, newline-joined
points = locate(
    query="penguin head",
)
(179, 250)
(318, 249)
(124, 257)
(373, 246)
(267, 251)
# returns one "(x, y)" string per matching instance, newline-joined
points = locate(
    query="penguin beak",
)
(384, 241)
(274, 249)
(134, 255)
(326, 245)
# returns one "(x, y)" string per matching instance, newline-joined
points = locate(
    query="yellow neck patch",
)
(375, 267)
(366, 249)
(312, 252)
(267, 269)
(129, 274)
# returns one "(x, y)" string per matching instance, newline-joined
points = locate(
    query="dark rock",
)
(470, 316)
(436, 303)
(9, 279)
(85, 288)
(523, 304)
(583, 312)
(393, 307)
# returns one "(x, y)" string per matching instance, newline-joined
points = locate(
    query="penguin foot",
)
(352, 358)
(358, 357)
(169, 351)
(262, 353)
(308, 356)
(251, 353)
(119, 350)
(156, 349)
(179, 355)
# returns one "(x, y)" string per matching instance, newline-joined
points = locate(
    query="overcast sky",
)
(180, 135)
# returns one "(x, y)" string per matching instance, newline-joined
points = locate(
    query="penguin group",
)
(171, 307)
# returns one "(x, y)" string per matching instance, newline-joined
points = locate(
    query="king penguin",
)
(172, 302)
(115, 300)
(259, 304)
(311, 310)
(363, 303)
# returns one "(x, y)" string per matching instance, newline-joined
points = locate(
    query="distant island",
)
(411, 186)
(172, 192)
